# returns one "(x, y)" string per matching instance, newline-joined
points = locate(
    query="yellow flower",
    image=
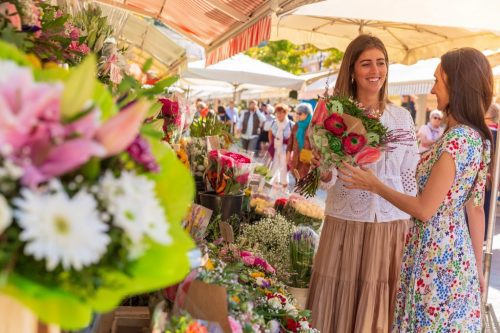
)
(50, 65)
(248, 192)
(235, 299)
(33, 59)
(257, 275)
(209, 265)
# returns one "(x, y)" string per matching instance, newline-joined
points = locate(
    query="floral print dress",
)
(439, 289)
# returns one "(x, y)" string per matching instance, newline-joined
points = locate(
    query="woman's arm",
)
(475, 216)
(424, 205)
(270, 135)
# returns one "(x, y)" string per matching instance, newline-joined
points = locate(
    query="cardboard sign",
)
(208, 302)
(226, 231)
(197, 221)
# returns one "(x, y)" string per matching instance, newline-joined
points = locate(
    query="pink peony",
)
(367, 155)
(335, 125)
(353, 143)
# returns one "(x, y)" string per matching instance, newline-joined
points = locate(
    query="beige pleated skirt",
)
(355, 276)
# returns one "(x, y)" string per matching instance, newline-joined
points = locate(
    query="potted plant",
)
(303, 245)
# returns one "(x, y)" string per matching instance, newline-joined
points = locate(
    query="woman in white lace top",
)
(357, 267)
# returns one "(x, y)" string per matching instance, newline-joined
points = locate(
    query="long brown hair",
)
(470, 87)
(345, 85)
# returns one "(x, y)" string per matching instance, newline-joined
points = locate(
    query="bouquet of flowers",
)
(343, 131)
(227, 172)
(301, 211)
(172, 120)
(83, 216)
(302, 249)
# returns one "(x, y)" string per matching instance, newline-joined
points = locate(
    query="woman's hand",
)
(359, 178)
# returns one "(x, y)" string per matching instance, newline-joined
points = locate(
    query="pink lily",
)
(119, 132)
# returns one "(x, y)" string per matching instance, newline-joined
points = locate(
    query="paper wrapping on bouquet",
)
(354, 125)
(228, 172)
(208, 302)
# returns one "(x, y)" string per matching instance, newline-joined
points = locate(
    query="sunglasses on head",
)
(436, 118)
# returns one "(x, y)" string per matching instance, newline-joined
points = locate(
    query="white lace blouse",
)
(395, 168)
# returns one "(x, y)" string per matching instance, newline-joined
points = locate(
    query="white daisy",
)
(60, 229)
(5, 214)
(132, 201)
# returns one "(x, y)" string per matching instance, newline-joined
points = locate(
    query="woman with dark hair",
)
(442, 272)
(357, 266)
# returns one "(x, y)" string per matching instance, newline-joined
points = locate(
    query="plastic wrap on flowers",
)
(302, 249)
(227, 172)
(79, 231)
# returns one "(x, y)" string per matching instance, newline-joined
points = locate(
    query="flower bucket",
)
(226, 205)
(200, 187)
(300, 296)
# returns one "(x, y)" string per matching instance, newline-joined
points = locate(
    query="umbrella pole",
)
(491, 229)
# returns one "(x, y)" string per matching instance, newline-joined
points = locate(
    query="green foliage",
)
(209, 126)
(95, 26)
(288, 56)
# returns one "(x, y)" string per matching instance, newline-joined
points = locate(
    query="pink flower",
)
(367, 155)
(119, 131)
(243, 179)
(74, 34)
(335, 124)
(59, 160)
(169, 108)
(320, 113)
(235, 325)
(9, 10)
(353, 143)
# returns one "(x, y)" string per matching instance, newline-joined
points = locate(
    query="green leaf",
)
(53, 74)
(150, 131)
(104, 100)
(147, 65)
(10, 52)
(79, 88)
(159, 87)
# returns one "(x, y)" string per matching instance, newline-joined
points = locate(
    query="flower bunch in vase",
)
(227, 172)
(342, 130)
(303, 244)
(84, 210)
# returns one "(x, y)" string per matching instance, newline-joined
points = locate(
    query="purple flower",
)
(140, 152)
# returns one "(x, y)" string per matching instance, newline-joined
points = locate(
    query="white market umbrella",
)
(425, 29)
(241, 69)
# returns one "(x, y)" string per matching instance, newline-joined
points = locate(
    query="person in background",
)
(249, 126)
(268, 110)
(299, 140)
(279, 135)
(222, 115)
(409, 104)
(431, 132)
(232, 113)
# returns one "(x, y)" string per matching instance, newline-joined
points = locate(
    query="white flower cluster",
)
(131, 201)
(61, 229)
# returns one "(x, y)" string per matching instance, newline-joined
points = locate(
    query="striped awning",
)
(222, 27)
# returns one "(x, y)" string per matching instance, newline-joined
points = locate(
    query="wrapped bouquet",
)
(342, 130)
(85, 216)
(228, 172)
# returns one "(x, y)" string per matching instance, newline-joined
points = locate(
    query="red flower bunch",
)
(227, 172)
(171, 119)
(280, 204)
(292, 325)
